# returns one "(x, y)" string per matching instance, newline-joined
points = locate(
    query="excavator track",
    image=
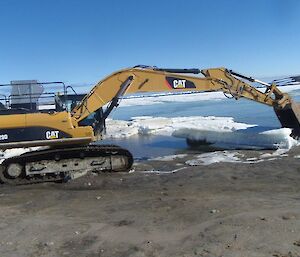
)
(59, 165)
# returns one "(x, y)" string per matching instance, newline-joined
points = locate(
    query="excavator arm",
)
(152, 79)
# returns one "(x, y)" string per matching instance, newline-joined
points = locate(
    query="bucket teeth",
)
(289, 117)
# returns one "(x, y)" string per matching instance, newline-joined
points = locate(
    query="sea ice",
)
(165, 97)
(240, 139)
(222, 132)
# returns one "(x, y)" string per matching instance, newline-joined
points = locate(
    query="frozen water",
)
(145, 125)
(170, 97)
(229, 156)
(160, 98)
(169, 157)
(241, 139)
(214, 157)
(222, 132)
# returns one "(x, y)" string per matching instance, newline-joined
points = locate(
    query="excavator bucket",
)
(289, 117)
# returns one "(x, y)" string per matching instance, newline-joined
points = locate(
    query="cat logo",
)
(179, 83)
(54, 134)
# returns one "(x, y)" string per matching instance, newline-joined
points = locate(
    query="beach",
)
(161, 208)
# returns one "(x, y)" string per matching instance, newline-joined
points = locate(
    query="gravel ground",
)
(222, 209)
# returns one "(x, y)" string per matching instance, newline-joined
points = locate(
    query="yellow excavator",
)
(66, 129)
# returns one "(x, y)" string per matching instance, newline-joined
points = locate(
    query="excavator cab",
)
(96, 119)
(30, 96)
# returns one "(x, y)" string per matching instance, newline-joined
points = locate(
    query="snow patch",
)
(214, 157)
(279, 152)
(15, 152)
(169, 157)
(229, 156)
(158, 172)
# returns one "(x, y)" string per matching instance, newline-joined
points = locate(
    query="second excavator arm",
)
(152, 79)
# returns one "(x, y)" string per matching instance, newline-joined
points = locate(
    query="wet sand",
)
(223, 209)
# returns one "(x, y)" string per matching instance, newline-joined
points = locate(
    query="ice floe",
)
(146, 125)
(241, 139)
(221, 132)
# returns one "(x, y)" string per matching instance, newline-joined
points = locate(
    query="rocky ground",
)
(222, 209)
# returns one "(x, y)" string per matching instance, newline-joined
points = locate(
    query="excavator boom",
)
(152, 79)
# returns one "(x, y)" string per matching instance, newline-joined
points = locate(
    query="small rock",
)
(124, 223)
(214, 211)
(289, 254)
(77, 232)
(98, 197)
(297, 243)
(89, 183)
(49, 243)
(288, 217)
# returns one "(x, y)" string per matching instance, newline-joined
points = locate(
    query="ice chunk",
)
(222, 132)
(240, 139)
(214, 157)
(17, 151)
(145, 125)
(169, 157)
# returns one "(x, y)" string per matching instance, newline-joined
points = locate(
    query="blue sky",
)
(83, 41)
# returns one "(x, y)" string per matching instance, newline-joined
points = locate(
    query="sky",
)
(83, 41)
